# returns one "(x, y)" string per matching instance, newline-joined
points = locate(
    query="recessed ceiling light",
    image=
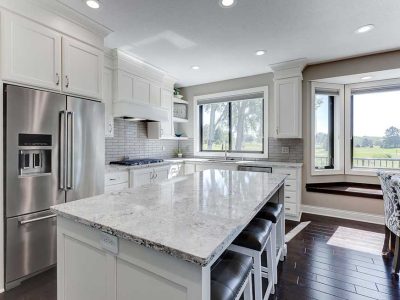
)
(195, 67)
(365, 28)
(227, 3)
(93, 3)
(260, 52)
(366, 77)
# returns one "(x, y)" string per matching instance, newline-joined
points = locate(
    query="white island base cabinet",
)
(87, 271)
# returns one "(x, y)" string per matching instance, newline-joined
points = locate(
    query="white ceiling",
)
(177, 34)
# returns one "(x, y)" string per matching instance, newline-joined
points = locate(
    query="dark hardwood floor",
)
(317, 270)
(312, 270)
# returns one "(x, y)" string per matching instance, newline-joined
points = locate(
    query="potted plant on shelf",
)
(177, 93)
(178, 153)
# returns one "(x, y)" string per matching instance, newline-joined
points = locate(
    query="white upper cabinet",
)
(82, 68)
(288, 107)
(31, 53)
(37, 56)
(107, 99)
(288, 98)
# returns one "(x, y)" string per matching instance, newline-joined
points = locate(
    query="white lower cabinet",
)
(292, 190)
(116, 181)
(149, 175)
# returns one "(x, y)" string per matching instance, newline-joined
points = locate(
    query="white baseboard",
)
(343, 214)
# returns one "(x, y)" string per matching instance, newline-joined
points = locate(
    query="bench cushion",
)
(228, 275)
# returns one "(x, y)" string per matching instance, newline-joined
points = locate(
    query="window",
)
(327, 128)
(233, 122)
(236, 126)
(375, 128)
(324, 131)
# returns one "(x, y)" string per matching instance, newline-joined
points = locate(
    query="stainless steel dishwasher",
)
(251, 168)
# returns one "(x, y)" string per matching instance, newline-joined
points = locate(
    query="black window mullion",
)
(331, 132)
(201, 127)
(230, 126)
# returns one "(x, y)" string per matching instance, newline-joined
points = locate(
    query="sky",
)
(373, 113)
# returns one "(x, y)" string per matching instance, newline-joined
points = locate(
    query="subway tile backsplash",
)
(130, 140)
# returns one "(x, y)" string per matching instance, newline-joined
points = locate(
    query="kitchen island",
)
(157, 241)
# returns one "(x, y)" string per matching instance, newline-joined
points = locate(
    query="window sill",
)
(347, 189)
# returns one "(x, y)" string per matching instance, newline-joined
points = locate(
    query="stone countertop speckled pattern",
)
(193, 217)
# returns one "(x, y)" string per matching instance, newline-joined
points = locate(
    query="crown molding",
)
(287, 69)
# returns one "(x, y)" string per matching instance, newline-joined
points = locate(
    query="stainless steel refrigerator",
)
(53, 153)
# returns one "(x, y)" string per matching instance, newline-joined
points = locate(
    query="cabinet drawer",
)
(290, 197)
(116, 178)
(116, 187)
(290, 185)
(291, 173)
(290, 209)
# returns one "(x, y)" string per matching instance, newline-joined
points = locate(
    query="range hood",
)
(139, 112)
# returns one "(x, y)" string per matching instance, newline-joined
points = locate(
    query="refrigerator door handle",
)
(71, 146)
(63, 143)
(23, 222)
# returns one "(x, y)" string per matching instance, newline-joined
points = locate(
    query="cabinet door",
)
(82, 69)
(141, 177)
(288, 108)
(141, 90)
(31, 53)
(155, 95)
(160, 175)
(107, 99)
(166, 103)
(190, 168)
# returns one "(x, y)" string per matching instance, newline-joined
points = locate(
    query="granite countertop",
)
(192, 217)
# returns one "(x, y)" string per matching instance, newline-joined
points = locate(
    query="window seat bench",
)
(347, 188)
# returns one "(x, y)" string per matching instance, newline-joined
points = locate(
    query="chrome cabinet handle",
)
(23, 222)
(66, 81)
(58, 79)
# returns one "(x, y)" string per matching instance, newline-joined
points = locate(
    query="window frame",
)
(349, 170)
(338, 136)
(234, 154)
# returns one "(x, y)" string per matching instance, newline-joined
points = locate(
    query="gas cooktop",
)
(137, 162)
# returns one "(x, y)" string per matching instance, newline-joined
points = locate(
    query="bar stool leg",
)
(248, 291)
(282, 237)
(271, 266)
(274, 264)
(257, 277)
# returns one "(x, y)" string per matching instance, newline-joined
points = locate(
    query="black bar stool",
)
(254, 241)
(231, 277)
(274, 212)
